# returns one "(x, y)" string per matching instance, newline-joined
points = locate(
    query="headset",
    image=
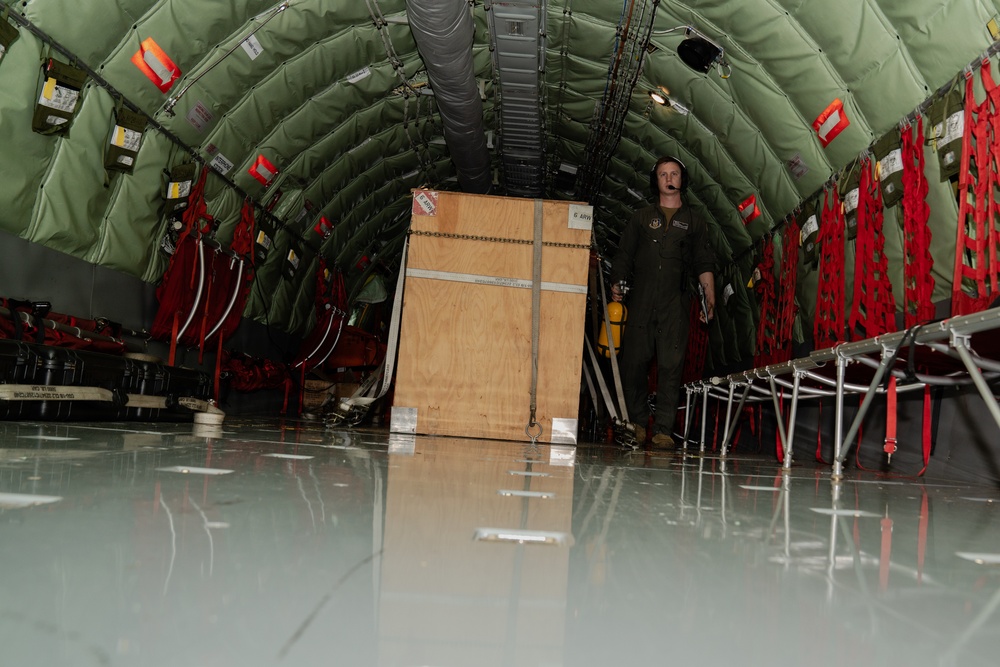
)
(654, 186)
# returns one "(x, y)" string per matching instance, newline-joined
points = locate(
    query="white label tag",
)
(362, 73)
(263, 240)
(252, 47)
(810, 228)
(55, 120)
(3, 50)
(891, 163)
(293, 259)
(221, 164)
(125, 160)
(58, 97)
(581, 216)
(851, 200)
(829, 124)
(178, 189)
(199, 116)
(264, 172)
(126, 138)
(726, 293)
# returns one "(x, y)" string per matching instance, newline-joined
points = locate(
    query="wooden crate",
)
(465, 353)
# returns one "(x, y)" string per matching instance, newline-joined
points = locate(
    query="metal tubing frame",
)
(731, 425)
(956, 329)
(687, 415)
(787, 463)
(777, 414)
(961, 343)
(865, 404)
(704, 419)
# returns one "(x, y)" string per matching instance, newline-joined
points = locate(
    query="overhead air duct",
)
(443, 31)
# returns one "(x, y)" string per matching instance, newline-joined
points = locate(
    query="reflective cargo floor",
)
(277, 543)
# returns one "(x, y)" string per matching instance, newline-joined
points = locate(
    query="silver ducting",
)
(443, 31)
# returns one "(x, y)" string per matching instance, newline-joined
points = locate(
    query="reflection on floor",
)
(279, 543)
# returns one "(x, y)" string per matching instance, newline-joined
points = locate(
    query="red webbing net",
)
(874, 306)
(917, 262)
(975, 280)
(828, 327)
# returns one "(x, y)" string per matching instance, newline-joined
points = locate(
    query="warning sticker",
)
(851, 200)
(125, 138)
(891, 163)
(156, 64)
(199, 116)
(808, 229)
(178, 189)
(58, 97)
(581, 216)
(954, 130)
(425, 202)
(263, 240)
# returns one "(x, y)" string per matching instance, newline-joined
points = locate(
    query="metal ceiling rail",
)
(517, 42)
(957, 331)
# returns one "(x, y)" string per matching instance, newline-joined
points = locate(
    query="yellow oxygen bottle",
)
(617, 314)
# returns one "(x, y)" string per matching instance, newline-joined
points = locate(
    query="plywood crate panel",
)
(465, 336)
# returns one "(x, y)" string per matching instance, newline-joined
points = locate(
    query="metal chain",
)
(497, 239)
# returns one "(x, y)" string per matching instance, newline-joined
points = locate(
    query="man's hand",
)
(616, 292)
(706, 289)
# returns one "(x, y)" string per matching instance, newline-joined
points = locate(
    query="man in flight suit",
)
(661, 248)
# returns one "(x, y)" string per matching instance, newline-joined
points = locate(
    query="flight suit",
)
(658, 259)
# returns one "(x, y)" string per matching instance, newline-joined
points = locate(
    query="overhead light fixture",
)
(661, 96)
(699, 52)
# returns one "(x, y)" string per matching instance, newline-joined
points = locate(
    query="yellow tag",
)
(174, 190)
(49, 88)
(878, 170)
(994, 28)
(750, 283)
(119, 136)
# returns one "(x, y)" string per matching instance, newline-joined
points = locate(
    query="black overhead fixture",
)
(699, 52)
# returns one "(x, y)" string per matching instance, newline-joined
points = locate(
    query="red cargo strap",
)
(885, 557)
(922, 535)
(828, 327)
(890, 417)
(926, 430)
(974, 268)
(873, 307)
(766, 329)
(918, 281)
(790, 241)
(779, 449)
